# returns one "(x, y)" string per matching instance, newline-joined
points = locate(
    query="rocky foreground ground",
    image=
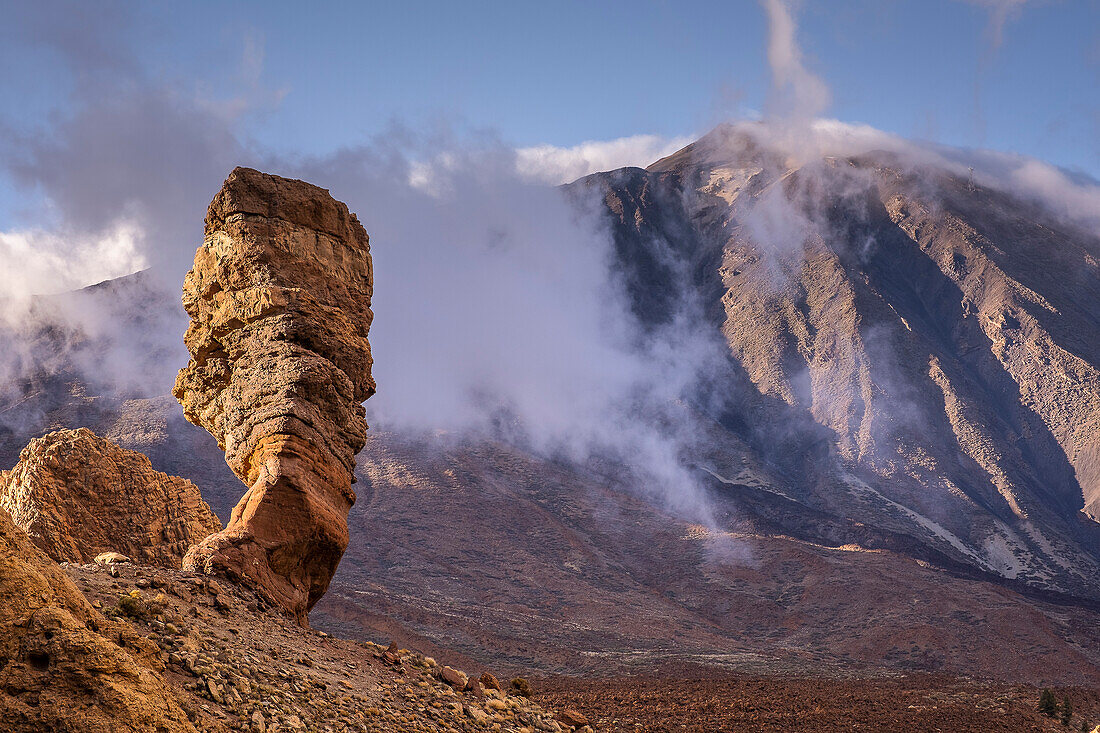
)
(238, 664)
(748, 705)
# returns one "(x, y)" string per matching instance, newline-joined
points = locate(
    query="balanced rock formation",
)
(279, 300)
(62, 665)
(78, 495)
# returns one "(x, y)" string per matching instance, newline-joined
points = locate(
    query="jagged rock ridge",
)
(78, 495)
(279, 300)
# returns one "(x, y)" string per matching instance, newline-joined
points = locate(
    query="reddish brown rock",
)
(489, 681)
(454, 677)
(63, 668)
(79, 496)
(572, 718)
(279, 300)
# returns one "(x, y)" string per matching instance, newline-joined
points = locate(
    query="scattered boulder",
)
(474, 688)
(80, 497)
(455, 678)
(572, 718)
(279, 299)
(63, 668)
(392, 655)
(489, 682)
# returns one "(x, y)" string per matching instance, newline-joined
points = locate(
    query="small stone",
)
(215, 691)
(110, 558)
(477, 714)
(572, 718)
(258, 723)
(222, 603)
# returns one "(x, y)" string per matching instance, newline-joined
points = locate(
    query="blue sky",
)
(565, 72)
(294, 79)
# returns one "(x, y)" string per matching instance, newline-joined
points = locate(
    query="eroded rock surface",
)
(78, 495)
(61, 664)
(279, 300)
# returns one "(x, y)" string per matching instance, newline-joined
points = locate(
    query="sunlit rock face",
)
(279, 300)
(79, 495)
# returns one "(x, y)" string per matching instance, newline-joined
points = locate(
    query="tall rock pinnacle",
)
(279, 299)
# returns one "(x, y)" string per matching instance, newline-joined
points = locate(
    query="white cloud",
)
(38, 261)
(1074, 198)
(797, 92)
(553, 165)
(1054, 188)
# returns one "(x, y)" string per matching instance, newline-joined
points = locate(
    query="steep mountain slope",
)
(927, 344)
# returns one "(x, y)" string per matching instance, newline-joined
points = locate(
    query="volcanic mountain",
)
(909, 350)
(897, 445)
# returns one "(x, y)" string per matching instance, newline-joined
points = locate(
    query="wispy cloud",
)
(40, 261)
(253, 93)
(797, 93)
(1001, 12)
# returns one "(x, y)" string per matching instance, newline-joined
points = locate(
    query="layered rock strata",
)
(279, 300)
(77, 495)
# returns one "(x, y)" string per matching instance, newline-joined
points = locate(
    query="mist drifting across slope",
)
(498, 309)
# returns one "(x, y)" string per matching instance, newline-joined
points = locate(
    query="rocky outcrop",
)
(279, 300)
(62, 666)
(77, 495)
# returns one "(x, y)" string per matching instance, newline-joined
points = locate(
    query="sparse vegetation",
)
(1067, 710)
(1048, 705)
(132, 606)
(521, 687)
